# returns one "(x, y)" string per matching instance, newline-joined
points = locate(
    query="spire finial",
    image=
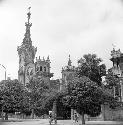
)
(69, 61)
(48, 58)
(27, 38)
(28, 14)
(69, 56)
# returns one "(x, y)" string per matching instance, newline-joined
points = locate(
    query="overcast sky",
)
(60, 28)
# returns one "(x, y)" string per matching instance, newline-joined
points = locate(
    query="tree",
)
(85, 96)
(53, 101)
(24, 108)
(91, 67)
(37, 90)
(11, 92)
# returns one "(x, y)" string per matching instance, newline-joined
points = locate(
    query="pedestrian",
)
(50, 117)
(76, 117)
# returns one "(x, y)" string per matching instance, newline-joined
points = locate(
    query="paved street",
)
(60, 122)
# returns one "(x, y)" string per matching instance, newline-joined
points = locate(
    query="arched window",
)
(40, 68)
(44, 69)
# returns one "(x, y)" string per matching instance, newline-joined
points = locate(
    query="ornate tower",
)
(117, 59)
(26, 54)
(43, 68)
(68, 73)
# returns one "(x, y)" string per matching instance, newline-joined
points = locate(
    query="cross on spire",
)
(29, 14)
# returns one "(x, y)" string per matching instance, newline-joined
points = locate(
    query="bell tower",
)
(26, 52)
(68, 72)
(43, 68)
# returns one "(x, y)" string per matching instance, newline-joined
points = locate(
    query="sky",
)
(60, 28)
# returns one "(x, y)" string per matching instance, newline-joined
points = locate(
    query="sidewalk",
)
(59, 122)
(71, 122)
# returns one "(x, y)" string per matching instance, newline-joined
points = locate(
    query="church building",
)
(27, 52)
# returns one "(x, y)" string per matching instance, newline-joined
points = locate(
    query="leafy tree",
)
(85, 96)
(37, 90)
(24, 108)
(63, 111)
(91, 67)
(11, 92)
(55, 96)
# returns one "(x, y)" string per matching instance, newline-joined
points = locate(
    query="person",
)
(50, 117)
(76, 117)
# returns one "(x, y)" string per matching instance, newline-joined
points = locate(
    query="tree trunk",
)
(83, 119)
(6, 116)
(55, 108)
(2, 114)
(55, 111)
(32, 114)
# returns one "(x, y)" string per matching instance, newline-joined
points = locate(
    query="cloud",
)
(61, 19)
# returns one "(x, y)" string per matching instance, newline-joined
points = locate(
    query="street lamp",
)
(5, 70)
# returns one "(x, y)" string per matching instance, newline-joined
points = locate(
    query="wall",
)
(107, 114)
(112, 114)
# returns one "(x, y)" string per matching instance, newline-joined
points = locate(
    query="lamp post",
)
(5, 70)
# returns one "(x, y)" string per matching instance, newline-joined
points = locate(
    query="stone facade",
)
(27, 67)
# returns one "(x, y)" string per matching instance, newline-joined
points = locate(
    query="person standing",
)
(50, 117)
(76, 117)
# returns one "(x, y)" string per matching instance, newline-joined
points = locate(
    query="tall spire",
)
(29, 14)
(26, 47)
(27, 38)
(69, 61)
